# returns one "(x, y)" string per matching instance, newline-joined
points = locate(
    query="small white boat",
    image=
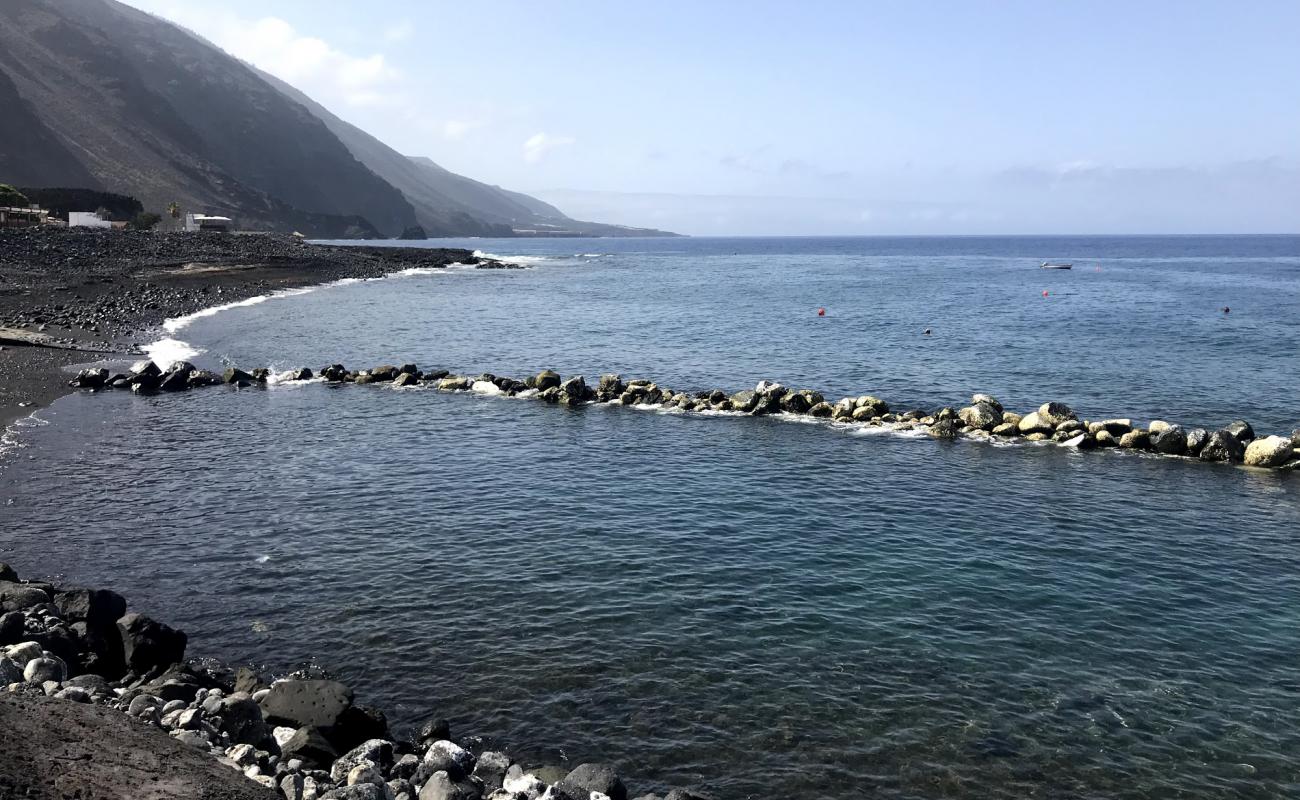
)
(1051, 265)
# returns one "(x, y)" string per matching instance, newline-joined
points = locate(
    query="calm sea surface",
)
(754, 606)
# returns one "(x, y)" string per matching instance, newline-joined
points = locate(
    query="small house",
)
(87, 219)
(206, 222)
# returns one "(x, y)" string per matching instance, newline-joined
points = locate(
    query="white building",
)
(204, 222)
(87, 219)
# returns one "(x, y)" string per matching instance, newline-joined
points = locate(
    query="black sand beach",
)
(70, 297)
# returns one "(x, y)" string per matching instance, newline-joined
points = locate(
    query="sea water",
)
(756, 607)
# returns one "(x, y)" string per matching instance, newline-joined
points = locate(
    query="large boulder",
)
(1196, 439)
(148, 644)
(1115, 427)
(588, 778)
(46, 668)
(20, 596)
(1135, 440)
(943, 429)
(98, 607)
(1055, 413)
(93, 378)
(983, 416)
(449, 757)
(145, 369)
(7, 574)
(1170, 441)
(441, 786)
(310, 746)
(241, 718)
(1033, 422)
(821, 410)
(238, 377)
(875, 405)
(546, 379)
(177, 378)
(12, 627)
(384, 373)
(745, 401)
(321, 704)
(1222, 445)
(455, 383)
(988, 400)
(490, 770)
(610, 386)
(574, 390)
(375, 751)
(1271, 451)
(1241, 431)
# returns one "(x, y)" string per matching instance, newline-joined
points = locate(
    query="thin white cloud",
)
(400, 32)
(541, 143)
(311, 64)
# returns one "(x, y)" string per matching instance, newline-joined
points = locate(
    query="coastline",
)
(70, 297)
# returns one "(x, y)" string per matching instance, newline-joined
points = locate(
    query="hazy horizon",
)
(948, 119)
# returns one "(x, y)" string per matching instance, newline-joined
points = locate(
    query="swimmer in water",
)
(927, 331)
(1226, 309)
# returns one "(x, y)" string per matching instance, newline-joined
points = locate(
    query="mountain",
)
(450, 204)
(97, 95)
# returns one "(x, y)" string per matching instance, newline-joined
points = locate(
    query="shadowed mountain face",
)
(99, 95)
(146, 109)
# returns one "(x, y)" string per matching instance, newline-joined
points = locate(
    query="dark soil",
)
(55, 750)
(89, 294)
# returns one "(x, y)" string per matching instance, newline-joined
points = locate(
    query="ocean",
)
(757, 606)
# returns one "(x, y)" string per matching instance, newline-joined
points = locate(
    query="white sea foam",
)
(280, 377)
(511, 259)
(168, 351)
(11, 437)
(485, 387)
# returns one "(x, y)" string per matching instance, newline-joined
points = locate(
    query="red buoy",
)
(821, 312)
(1044, 293)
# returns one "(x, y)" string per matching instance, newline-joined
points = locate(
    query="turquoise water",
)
(764, 608)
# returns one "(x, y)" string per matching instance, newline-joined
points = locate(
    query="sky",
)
(827, 118)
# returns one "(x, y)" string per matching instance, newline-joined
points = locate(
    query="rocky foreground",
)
(985, 417)
(102, 697)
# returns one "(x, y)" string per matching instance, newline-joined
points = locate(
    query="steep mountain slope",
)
(147, 109)
(444, 201)
(95, 94)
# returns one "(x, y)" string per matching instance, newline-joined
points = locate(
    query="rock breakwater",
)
(303, 736)
(984, 418)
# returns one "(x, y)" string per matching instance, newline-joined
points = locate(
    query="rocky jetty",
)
(302, 736)
(984, 418)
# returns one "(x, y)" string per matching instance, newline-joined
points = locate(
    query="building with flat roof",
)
(205, 222)
(87, 219)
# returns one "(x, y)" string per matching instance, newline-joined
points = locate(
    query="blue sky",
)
(820, 117)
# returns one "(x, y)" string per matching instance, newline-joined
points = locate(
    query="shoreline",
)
(98, 700)
(70, 297)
